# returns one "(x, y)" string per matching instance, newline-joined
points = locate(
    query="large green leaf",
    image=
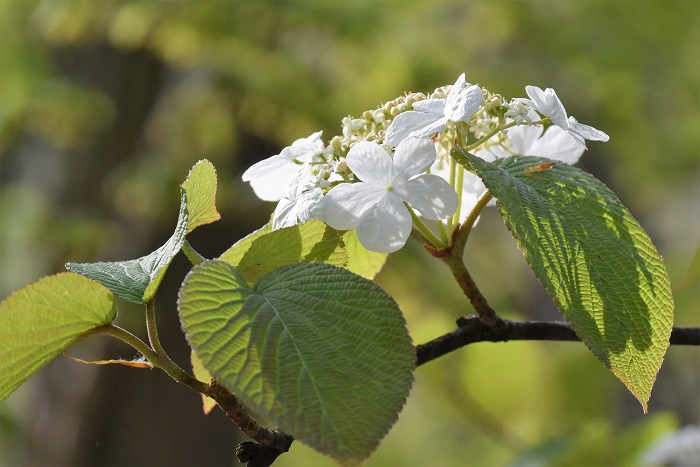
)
(137, 280)
(266, 250)
(43, 319)
(320, 351)
(592, 256)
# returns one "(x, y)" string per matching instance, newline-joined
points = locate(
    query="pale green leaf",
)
(592, 256)
(320, 351)
(234, 254)
(361, 261)
(313, 241)
(43, 319)
(200, 190)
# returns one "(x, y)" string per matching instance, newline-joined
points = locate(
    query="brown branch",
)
(473, 329)
(268, 443)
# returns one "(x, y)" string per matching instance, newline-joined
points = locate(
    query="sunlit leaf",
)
(362, 261)
(592, 256)
(200, 190)
(322, 352)
(313, 241)
(43, 319)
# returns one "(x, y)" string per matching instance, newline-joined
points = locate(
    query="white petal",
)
(413, 156)
(271, 186)
(586, 132)
(371, 163)
(264, 167)
(430, 129)
(521, 138)
(432, 196)
(548, 104)
(406, 123)
(304, 148)
(345, 203)
(558, 145)
(284, 215)
(385, 227)
(466, 105)
(432, 106)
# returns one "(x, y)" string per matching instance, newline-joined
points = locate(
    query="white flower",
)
(518, 112)
(548, 104)
(555, 144)
(375, 206)
(301, 200)
(472, 186)
(269, 177)
(431, 115)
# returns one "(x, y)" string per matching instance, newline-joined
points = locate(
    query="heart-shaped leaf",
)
(592, 256)
(318, 350)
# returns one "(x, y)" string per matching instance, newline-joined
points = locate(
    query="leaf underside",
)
(593, 258)
(320, 351)
(137, 280)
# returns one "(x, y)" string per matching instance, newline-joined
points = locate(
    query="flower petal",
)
(270, 186)
(548, 104)
(586, 132)
(413, 156)
(466, 104)
(304, 148)
(431, 106)
(432, 196)
(345, 203)
(406, 123)
(385, 226)
(370, 163)
(264, 167)
(430, 129)
(558, 145)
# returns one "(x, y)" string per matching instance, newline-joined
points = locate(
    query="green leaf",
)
(362, 261)
(43, 319)
(137, 280)
(320, 351)
(313, 241)
(234, 254)
(200, 190)
(592, 256)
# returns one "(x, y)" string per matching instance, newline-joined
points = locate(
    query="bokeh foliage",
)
(104, 107)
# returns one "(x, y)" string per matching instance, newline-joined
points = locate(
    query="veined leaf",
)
(320, 351)
(137, 280)
(41, 320)
(313, 241)
(592, 256)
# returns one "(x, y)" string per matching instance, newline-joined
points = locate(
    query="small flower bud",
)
(367, 115)
(336, 142)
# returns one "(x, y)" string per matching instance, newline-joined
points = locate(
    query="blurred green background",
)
(104, 107)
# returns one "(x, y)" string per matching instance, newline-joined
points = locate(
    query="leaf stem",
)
(192, 254)
(152, 329)
(424, 230)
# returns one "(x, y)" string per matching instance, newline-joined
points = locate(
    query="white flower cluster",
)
(392, 167)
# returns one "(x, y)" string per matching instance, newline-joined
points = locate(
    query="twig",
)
(268, 445)
(473, 329)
